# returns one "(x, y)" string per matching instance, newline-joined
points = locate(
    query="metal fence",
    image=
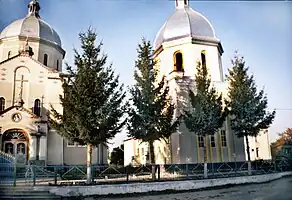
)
(104, 174)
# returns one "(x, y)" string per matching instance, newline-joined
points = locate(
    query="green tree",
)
(247, 107)
(93, 100)
(117, 156)
(206, 115)
(151, 116)
(285, 138)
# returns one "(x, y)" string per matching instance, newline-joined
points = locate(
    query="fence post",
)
(127, 174)
(153, 167)
(55, 175)
(33, 175)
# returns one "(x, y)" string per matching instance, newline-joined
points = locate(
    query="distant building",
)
(31, 57)
(184, 39)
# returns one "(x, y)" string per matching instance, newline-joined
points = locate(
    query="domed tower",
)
(41, 37)
(186, 38)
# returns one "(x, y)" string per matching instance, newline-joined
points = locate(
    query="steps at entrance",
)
(25, 192)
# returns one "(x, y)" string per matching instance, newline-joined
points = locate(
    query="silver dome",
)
(32, 26)
(185, 22)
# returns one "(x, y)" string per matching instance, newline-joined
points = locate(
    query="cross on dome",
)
(34, 8)
(180, 4)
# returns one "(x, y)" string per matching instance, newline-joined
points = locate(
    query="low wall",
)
(115, 189)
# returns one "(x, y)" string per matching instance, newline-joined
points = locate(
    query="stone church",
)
(184, 39)
(31, 57)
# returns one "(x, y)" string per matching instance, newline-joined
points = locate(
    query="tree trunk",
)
(152, 158)
(248, 156)
(205, 158)
(169, 153)
(89, 156)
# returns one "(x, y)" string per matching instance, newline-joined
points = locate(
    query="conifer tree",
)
(206, 115)
(247, 107)
(151, 116)
(93, 100)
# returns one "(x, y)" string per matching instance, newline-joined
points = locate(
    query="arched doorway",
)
(15, 142)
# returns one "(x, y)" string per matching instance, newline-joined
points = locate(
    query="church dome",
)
(32, 26)
(184, 22)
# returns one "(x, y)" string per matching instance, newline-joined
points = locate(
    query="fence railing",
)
(105, 174)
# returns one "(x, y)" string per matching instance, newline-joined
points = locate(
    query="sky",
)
(260, 31)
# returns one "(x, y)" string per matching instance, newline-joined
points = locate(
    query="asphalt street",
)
(275, 190)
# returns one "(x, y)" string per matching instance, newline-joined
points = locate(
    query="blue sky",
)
(261, 31)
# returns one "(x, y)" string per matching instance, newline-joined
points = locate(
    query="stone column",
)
(42, 148)
(32, 148)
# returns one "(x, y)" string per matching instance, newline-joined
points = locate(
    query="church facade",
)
(31, 57)
(185, 39)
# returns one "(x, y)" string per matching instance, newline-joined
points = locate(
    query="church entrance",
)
(15, 142)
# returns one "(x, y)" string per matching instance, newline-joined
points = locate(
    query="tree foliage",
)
(285, 138)
(117, 156)
(93, 100)
(246, 106)
(206, 116)
(151, 116)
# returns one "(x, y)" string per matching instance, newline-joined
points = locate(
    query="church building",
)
(186, 38)
(31, 57)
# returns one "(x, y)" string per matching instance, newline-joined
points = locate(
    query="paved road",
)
(275, 190)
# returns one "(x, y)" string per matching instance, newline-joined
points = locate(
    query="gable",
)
(34, 69)
(15, 114)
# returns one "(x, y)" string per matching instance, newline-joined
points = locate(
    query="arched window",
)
(57, 64)
(46, 59)
(2, 103)
(178, 62)
(37, 107)
(203, 58)
(8, 54)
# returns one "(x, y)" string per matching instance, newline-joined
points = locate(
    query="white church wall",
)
(259, 146)
(43, 148)
(77, 155)
(191, 55)
(187, 146)
(7, 45)
(129, 151)
(32, 148)
(53, 55)
(175, 147)
(55, 148)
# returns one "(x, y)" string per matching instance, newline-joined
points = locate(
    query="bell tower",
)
(179, 4)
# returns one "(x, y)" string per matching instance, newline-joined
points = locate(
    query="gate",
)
(7, 169)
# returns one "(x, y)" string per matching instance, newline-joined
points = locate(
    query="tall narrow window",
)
(58, 65)
(201, 141)
(212, 139)
(8, 54)
(203, 58)
(37, 107)
(257, 152)
(46, 59)
(178, 62)
(2, 103)
(223, 138)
